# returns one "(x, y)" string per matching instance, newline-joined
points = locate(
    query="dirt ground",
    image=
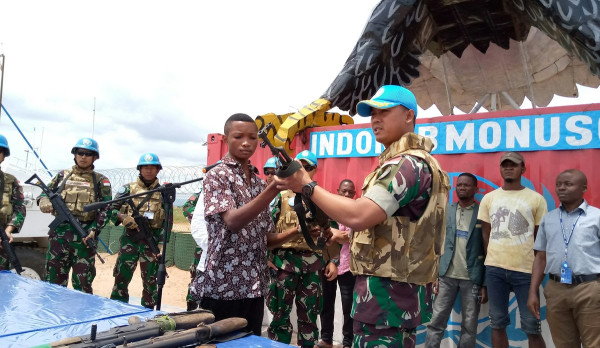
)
(174, 291)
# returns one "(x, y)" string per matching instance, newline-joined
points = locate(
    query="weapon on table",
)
(168, 194)
(193, 337)
(138, 330)
(288, 167)
(10, 252)
(63, 214)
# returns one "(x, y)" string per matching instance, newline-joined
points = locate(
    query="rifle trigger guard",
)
(284, 172)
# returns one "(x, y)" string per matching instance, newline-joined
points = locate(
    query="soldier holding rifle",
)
(77, 186)
(12, 204)
(140, 242)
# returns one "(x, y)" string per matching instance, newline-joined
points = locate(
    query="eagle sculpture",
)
(420, 44)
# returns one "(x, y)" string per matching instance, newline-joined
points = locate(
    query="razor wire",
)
(169, 174)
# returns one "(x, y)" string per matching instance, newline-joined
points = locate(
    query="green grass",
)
(178, 215)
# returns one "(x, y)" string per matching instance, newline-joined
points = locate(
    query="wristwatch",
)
(308, 189)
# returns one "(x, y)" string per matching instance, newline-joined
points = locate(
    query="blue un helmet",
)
(149, 159)
(4, 145)
(272, 162)
(308, 156)
(86, 144)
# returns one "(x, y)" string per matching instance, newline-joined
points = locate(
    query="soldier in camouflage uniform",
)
(134, 246)
(12, 203)
(299, 271)
(78, 186)
(398, 224)
(188, 213)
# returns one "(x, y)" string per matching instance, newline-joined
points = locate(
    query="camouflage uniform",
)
(299, 271)
(66, 250)
(188, 212)
(133, 245)
(396, 261)
(12, 209)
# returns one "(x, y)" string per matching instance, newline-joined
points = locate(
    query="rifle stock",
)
(10, 252)
(63, 214)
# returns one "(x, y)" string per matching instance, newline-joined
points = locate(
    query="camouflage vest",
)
(153, 205)
(289, 219)
(79, 190)
(397, 248)
(6, 209)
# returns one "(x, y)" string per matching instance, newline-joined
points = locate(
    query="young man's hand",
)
(533, 303)
(331, 271)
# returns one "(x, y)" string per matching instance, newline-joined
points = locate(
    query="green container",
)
(114, 243)
(185, 246)
(170, 250)
(105, 237)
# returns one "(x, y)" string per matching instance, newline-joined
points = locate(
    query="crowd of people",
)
(399, 253)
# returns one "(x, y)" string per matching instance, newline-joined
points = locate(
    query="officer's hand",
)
(483, 294)
(533, 303)
(46, 205)
(338, 237)
(8, 231)
(331, 271)
(293, 182)
(436, 286)
(129, 223)
(91, 235)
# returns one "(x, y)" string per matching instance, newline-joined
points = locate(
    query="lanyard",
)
(562, 229)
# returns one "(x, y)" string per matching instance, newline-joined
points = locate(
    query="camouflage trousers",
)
(66, 251)
(372, 336)
(129, 254)
(191, 304)
(306, 287)
(4, 264)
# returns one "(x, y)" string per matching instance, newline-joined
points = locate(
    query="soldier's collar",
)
(409, 141)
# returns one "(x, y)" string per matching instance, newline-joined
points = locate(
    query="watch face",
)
(307, 190)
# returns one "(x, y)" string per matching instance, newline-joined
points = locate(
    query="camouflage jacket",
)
(12, 202)
(405, 247)
(101, 192)
(190, 205)
(125, 208)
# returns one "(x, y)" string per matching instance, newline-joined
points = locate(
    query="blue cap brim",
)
(364, 107)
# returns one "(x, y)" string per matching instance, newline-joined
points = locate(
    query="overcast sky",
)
(165, 74)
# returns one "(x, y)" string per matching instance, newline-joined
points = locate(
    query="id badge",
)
(565, 273)
(150, 215)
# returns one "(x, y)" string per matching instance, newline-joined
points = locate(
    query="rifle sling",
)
(301, 212)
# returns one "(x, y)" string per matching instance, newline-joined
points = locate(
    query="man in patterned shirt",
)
(12, 203)
(398, 224)
(236, 209)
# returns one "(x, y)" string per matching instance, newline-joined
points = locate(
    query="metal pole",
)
(510, 100)
(479, 103)
(524, 58)
(1, 80)
(447, 87)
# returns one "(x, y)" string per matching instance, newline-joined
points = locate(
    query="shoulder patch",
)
(192, 198)
(122, 189)
(106, 182)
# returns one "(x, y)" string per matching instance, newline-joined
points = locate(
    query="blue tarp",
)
(34, 312)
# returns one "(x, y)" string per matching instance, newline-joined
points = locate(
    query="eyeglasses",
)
(83, 153)
(269, 172)
(309, 168)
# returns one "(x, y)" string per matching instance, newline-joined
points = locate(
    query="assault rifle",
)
(315, 215)
(138, 330)
(144, 227)
(168, 195)
(10, 252)
(63, 214)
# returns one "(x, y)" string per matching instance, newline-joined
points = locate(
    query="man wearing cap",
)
(134, 244)
(510, 216)
(568, 249)
(299, 271)
(12, 203)
(78, 186)
(398, 224)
